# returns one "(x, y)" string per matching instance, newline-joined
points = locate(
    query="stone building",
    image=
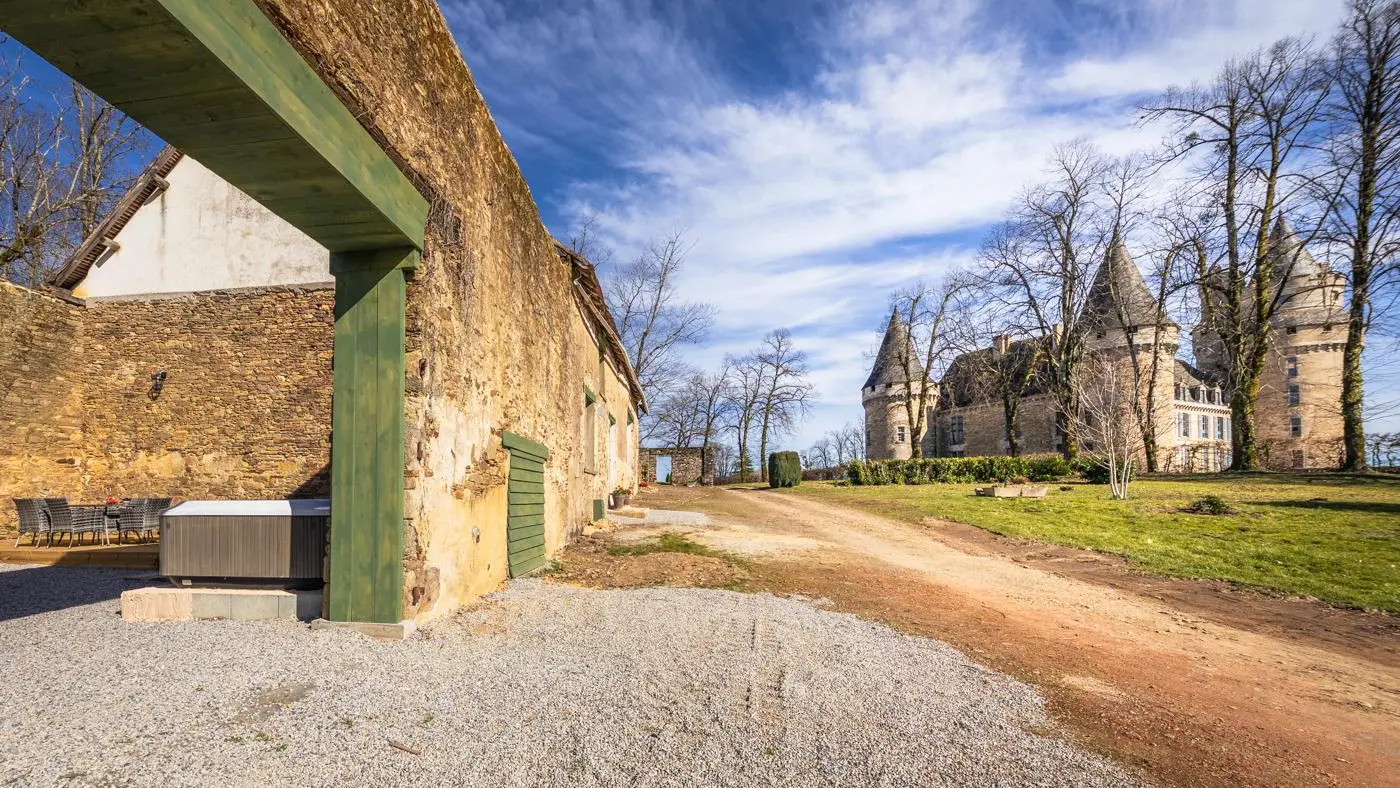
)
(342, 286)
(884, 396)
(1298, 411)
(678, 465)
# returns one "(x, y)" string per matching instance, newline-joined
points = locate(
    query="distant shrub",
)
(784, 469)
(1093, 473)
(1211, 504)
(1048, 468)
(956, 470)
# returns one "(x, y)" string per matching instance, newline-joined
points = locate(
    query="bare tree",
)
(849, 442)
(749, 376)
(821, 455)
(697, 409)
(1040, 266)
(656, 325)
(1247, 131)
(64, 160)
(1107, 422)
(787, 394)
(1365, 153)
(924, 311)
(992, 365)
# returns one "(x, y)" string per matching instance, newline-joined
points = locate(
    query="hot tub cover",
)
(301, 507)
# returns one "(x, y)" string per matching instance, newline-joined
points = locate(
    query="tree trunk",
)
(1244, 438)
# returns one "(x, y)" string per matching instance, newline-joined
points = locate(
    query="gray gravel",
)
(543, 685)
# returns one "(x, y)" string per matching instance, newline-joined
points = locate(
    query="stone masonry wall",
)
(496, 339)
(244, 411)
(688, 464)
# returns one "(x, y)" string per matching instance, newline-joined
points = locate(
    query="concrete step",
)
(237, 604)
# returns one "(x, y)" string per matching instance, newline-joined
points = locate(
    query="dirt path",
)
(1188, 700)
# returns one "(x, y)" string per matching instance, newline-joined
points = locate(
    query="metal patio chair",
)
(33, 520)
(151, 513)
(76, 520)
(131, 518)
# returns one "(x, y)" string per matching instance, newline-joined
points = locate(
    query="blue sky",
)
(820, 154)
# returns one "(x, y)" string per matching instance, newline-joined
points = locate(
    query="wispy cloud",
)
(822, 158)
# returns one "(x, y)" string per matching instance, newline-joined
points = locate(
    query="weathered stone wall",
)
(1318, 352)
(689, 464)
(40, 399)
(496, 337)
(984, 427)
(244, 411)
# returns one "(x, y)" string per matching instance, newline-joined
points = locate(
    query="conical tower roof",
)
(1119, 293)
(1290, 256)
(889, 364)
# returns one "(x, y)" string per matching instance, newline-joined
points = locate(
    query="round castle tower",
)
(887, 431)
(1298, 412)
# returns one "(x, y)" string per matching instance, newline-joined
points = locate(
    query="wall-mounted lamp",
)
(157, 384)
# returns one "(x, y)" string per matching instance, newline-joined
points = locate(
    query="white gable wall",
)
(203, 234)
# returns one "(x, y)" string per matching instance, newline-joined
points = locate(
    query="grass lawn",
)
(1334, 538)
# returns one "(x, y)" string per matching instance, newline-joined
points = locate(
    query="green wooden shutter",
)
(525, 504)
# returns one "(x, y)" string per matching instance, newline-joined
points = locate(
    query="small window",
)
(1292, 330)
(1186, 425)
(1205, 427)
(1295, 426)
(1295, 395)
(1292, 366)
(1299, 459)
(899, 431)
(1220, 428)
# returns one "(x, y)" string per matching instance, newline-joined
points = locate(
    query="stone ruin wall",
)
(487, 345)
(689, 464)
(244, 412)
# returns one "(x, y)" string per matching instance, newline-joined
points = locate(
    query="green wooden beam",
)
(217, 79)
(367, 453)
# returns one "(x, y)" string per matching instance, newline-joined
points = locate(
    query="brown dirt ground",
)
(1191, 683)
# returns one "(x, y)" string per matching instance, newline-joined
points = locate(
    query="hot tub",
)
(262, 543)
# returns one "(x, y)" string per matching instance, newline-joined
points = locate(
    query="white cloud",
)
(908, 127)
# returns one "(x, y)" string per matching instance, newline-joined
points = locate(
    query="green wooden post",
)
(367, 423)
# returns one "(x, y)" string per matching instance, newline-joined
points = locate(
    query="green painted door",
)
(525, 510)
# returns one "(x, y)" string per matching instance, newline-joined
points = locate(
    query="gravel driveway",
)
(542, 685)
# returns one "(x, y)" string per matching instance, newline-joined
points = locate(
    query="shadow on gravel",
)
(45, 589)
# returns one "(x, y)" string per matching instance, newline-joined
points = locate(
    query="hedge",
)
(784, 469)
(933, 470)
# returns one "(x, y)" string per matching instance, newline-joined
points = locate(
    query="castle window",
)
(899, 432)
(1295, 426)
(1299, 459)
(1295, 396)
(1292, 366)
(1292, 329)
(955, 430)
(1205, 426)
(1186, 425)
(1220, 428)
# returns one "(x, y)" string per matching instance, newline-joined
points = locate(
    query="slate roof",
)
(889, 365)
(1118, 296)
